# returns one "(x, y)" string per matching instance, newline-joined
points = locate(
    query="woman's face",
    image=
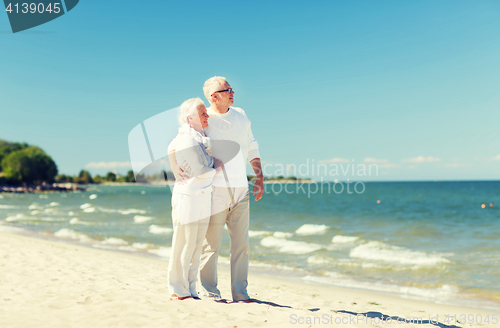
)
(201, 121)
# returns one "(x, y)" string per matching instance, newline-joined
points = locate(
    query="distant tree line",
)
(21, 163)
(84, 177)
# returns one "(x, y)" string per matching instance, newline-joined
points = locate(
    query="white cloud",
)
(374, 160)
(108, 165)
(421, 159)
(456, 165)
(496, 158)
(388, 165)
(335, 160)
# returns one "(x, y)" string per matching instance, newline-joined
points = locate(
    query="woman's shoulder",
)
(184, 140)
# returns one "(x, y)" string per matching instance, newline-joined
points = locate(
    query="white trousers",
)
(235, 214)
(187, 241)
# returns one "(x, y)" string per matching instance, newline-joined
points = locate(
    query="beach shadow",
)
(269, 303)
(383, 317)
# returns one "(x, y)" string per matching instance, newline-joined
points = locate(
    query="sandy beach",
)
(52, 284)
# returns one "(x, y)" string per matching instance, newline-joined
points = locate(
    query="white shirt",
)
(234, 126)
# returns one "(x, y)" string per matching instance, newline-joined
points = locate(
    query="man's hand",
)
(218, 165)
(258, 187)
(181, 174)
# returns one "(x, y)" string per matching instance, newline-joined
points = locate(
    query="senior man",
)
(230, 196)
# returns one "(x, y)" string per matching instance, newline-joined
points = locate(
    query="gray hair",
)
(211, 85)
(189, 108)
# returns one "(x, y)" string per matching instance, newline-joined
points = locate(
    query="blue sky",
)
(409, 86)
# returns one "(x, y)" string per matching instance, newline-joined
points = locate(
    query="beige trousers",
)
(235, 214)
(187, 242)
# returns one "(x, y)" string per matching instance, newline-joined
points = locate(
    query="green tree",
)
(85, 177)
(130, 176)
(98, 179)
(29, 165)
(7, 147)
(111, 177)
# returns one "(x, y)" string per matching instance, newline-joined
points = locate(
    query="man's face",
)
(225, 98)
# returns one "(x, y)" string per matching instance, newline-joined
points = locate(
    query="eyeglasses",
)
(230, 90)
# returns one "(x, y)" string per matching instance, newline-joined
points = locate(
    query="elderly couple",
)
(211, 190)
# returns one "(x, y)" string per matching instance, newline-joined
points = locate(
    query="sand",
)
(54, 284)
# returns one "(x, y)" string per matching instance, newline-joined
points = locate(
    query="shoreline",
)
(311, 291)
(54, 284)
(291, 274)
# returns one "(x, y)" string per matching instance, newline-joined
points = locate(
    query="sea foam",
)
(158, 230)
(312, 229)
(78, 221)
(71, 234)
(8, 206)
(290, 246)
(141, 219)
(114, 241)
(375, 250)
(344, 239)
(132, 211)
(162, 251)
(252, 233)
(281, 234)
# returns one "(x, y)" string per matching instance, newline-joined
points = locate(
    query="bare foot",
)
(176, 297)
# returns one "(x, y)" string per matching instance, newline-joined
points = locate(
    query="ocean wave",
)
(132, 211)
(89, 210)
(35, 212)
(281, 234)
(318, 260)
(71, 234)
(86, 205)
(162, 251)
(375, 250)
(93, 196)
(35, 206)
(141, 245)
(141, 219)
(312, 229)
(53, 204)
(107, 210)
(8, 206)
(78, 221)
(48, 219)
(114, 241)
(252, 233)
(344, 239)
(290, 246)
(158, 230)
(17, 218)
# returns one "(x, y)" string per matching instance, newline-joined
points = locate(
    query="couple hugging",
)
(208, 158)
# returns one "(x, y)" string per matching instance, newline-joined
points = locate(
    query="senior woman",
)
(191, 197)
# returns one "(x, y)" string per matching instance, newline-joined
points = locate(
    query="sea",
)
(432, 241)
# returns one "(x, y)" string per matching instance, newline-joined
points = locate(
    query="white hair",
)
(189, 108)
(211, 85)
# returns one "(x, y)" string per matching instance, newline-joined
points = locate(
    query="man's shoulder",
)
(240, 114)
(239, 110)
